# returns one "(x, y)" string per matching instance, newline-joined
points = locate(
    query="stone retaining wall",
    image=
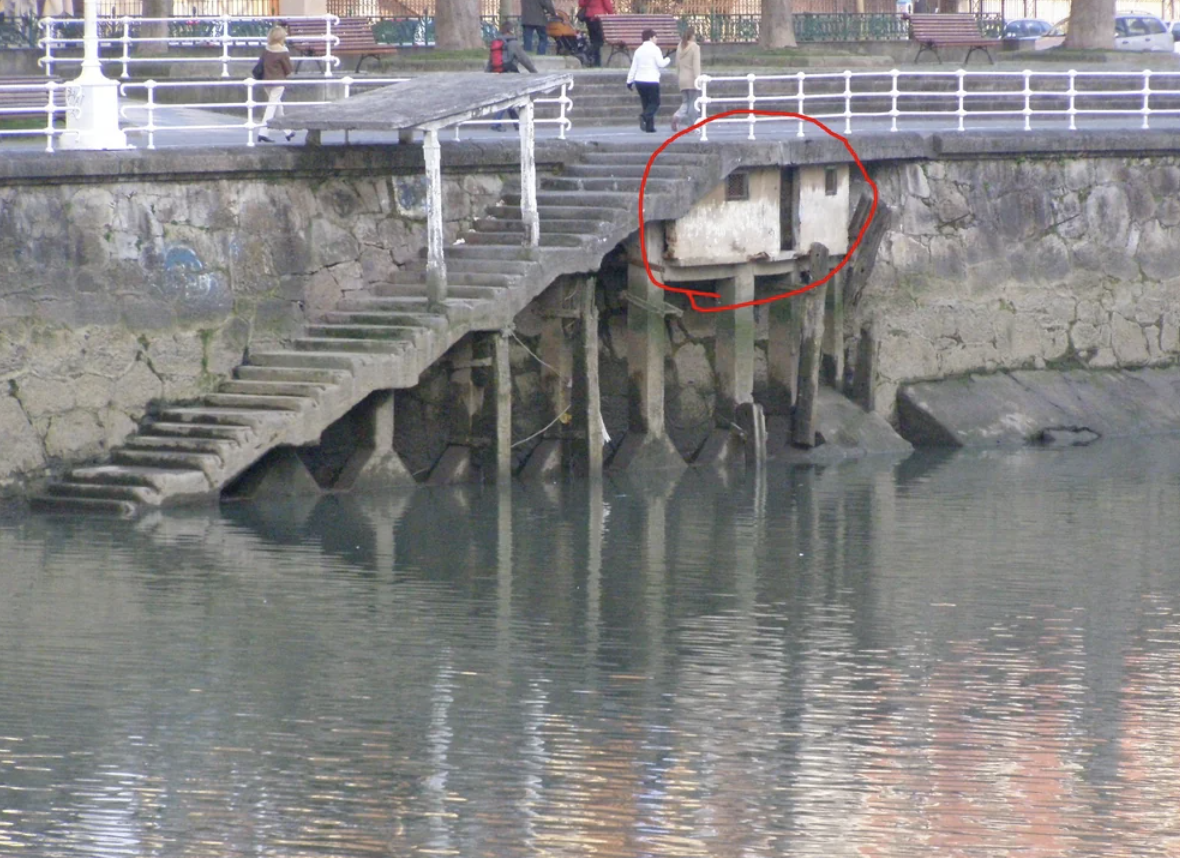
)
(117, 293)
(1024, 262)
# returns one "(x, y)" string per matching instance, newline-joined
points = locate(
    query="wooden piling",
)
(803, 428)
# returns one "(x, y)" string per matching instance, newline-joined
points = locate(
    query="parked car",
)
(1174, 27)
(1142, 32)
(1029, 28)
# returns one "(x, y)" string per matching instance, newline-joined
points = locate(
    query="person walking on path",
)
(644, 75)
(505, 55)
(590, 11)
(688, 65)
(534, 20)
(276, 65)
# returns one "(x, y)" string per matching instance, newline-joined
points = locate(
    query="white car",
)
(1142, 32)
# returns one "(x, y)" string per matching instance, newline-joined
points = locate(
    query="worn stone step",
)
(289, 359)
(418, 292)
(508, 239)
(640, 157)
(196, 430)
(78, 505)
(467, 251)
(167, 481)
(398, 311)
(626, 171)
(370, 346)
(491, 266)
(299, 375)
(268, 387)
(212, 415)
(509, 209)
(610, 200)
(207, 463)
(180, 444)
(557, 227)
(134, 494)
(623, 183)
(361, 331)
(408, 322)
(261, 402)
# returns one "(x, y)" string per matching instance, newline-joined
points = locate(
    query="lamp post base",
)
(95, 123)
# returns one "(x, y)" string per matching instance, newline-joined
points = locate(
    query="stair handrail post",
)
(528, 176)
(436, 269)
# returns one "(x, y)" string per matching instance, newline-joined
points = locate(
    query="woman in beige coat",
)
(688, 64)
(276, 66)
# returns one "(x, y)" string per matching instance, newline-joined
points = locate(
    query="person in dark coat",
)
(590, 11)
(534, 19)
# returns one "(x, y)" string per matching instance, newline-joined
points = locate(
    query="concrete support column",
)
(375, 464)
(502, 379)
(587, 397)
(646, 445)
(556, 351)
(735, 346)
(785, 326)
(803, 427)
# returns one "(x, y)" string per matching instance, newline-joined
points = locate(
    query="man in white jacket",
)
(644, 75)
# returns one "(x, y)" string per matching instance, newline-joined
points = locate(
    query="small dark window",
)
(737, 187)
(786, 208)
(831, 181)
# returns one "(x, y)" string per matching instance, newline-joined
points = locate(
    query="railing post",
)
(565, 100)
(1146, 98)
(328, 45)
(224, 45)
(50, 109)
(250, 105)
(126, 40)
(1027, 100)
(528, 177)
(1073, 110)
(893, 93)
(703, 105)
(436, 267)
(150, 86)
(800, 77)
(962, 111)
(847, 101)
(750, 100)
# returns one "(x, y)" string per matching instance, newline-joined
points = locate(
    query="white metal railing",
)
(564, 104)
(218, 115)
(243, 112)
(54, 107)
(119, 35)
(893, 97)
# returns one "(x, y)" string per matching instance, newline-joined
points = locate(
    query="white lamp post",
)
(95, 123)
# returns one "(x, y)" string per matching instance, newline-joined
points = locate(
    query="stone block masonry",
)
(152, 287)
(1024, 263)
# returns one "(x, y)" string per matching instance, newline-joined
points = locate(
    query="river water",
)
(944, 655)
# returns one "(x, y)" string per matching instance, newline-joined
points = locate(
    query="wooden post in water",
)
(785, 326)
(587, 396)
(832, 360)
(803, 428)
(436, 269)
(502, 379)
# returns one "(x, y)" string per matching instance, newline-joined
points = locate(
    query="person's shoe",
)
(675, 124)
(496, 127)
(642, 122)
(262, 138)
(290, 136)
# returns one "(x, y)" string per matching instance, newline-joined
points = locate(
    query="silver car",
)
(1142, 32)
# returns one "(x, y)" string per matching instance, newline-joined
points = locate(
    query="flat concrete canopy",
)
(429, 102)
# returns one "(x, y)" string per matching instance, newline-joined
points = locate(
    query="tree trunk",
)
(777, 28)
(155, 30)
(456, 25)
(1091, 25)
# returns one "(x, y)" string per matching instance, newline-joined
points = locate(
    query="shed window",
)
(737, 187)
(831, 182)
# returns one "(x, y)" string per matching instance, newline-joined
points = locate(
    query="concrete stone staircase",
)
(191, 452)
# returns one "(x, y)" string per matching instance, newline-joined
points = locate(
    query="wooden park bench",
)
(351, 37)
(949, 30)
(624, 32)
(28, 103)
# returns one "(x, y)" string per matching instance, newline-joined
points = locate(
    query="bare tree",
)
(456, 25)
(777, 27)
(1091, 24)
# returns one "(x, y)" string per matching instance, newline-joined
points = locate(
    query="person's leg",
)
(542, 41)
(649, 94)
(691, 116)
(528, 38)
(274, 95)
(499, 116)
(594, 26)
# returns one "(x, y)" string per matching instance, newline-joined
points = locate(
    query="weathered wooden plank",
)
(803, 428)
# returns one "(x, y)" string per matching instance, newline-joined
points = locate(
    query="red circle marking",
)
(694, 293)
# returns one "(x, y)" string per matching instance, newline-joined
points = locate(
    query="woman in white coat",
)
(644, 75)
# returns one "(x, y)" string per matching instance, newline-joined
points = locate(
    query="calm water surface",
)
(968, 655)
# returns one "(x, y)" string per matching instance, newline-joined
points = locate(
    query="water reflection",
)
(965, 655)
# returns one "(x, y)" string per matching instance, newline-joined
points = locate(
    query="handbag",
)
(582, 15)
(258, 71)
